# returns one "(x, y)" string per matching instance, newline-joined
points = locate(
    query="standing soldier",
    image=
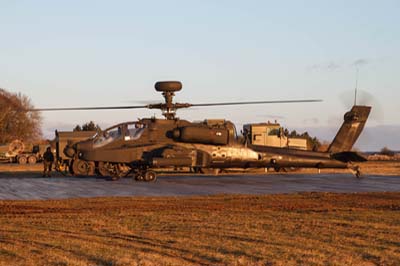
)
(48, 159)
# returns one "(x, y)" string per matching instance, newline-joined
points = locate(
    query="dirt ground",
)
(292, 229)
(281, 229)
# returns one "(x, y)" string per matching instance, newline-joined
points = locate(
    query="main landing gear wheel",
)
(146, 175)
(82, 168)
(150, 176)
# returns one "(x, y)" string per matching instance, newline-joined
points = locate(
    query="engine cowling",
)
(201, 135)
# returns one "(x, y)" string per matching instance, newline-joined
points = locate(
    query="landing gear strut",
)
(115, 170)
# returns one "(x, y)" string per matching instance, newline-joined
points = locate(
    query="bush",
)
(387, 151)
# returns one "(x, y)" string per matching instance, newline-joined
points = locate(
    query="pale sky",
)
(91, 53)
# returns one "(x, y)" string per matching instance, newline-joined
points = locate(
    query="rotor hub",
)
(168, 89)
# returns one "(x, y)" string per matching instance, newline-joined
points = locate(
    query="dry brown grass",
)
(381, 167)
(296, 229)
(387, 168)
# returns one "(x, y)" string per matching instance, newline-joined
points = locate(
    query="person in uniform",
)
(48, 159)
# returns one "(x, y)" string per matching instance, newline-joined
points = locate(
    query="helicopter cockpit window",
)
(134, 131)
(107, 136)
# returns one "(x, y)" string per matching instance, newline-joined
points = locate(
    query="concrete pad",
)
(30, 186)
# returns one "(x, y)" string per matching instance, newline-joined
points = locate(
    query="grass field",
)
(295, 229)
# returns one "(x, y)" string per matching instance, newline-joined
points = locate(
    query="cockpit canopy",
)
(126, 131)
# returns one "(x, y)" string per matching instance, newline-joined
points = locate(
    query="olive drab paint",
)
(148, 143)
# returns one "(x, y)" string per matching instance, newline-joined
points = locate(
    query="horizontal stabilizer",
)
(349, 156)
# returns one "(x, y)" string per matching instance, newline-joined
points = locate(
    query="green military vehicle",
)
(19, 152)
(272, 135)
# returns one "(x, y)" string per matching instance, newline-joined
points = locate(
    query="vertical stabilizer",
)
(354, 122)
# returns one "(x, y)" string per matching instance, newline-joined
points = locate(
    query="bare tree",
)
(15, 121)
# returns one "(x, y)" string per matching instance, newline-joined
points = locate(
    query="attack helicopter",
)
(141, 146)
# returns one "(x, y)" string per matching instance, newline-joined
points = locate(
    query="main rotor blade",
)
(149, 106)
(256, 102)
(90, 108)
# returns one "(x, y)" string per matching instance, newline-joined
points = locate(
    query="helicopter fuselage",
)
(158, 143)
(155, 143)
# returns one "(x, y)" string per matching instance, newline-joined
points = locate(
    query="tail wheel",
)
(32, 160)
(355, 169)
(82, 168)
(358, 173)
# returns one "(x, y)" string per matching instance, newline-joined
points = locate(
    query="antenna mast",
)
(355, 91)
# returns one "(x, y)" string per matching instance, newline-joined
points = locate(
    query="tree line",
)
(89, 126)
